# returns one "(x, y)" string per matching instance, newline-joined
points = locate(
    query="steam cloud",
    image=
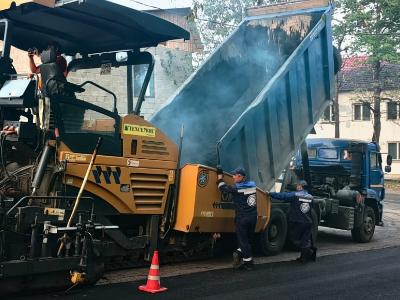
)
(215, 96)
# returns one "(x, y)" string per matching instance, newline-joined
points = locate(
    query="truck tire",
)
(274, 236)
(364, 233)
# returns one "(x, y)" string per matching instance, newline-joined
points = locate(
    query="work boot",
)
(247, 265)
(237, 259)
(314, 254)
(301, 258)
(305, 255)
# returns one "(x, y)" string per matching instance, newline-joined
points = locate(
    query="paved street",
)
(344, 270)
(330, 241)
(371, 274)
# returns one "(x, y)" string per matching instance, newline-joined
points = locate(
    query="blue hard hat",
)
(239, 171)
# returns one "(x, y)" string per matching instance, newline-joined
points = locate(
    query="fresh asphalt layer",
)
(371, 274)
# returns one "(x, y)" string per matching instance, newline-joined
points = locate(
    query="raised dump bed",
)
(259, 94)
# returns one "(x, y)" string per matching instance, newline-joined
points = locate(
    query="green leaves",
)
(217, 19)
(369, 27)
(372, 28)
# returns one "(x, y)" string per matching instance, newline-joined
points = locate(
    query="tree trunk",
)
(336, 108)
(377, 101)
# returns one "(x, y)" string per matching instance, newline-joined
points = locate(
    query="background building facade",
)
(355, 108)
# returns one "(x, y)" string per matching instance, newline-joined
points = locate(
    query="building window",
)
(139, 73)
(392, 110)
(329, 115)
(361, 112)
(393, 150)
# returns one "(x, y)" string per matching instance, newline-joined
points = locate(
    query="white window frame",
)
(362, 105)
(331, 116)
(397, 149)
(397, 110)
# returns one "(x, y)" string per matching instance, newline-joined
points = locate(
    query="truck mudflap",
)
(359, 210)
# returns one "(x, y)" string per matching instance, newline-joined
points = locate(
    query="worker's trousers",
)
(245, 226)
(301, 233)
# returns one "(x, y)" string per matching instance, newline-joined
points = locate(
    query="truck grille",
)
(148, 190)
(154, 147)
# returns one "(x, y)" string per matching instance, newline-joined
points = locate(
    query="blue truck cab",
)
(347, 181)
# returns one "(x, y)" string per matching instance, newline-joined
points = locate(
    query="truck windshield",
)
(328, 153)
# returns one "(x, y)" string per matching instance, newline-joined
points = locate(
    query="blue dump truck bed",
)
(259, 94)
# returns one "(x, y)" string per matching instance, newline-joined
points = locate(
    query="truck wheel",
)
(274, 236)
(364, 233)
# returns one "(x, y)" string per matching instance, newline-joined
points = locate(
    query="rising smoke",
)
(215, 96)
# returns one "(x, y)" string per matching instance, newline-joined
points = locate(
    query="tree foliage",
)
(371, 28)
(217, 19)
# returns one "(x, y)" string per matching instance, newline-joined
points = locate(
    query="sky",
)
(156, 3)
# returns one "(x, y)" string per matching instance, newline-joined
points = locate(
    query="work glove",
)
(219, 170)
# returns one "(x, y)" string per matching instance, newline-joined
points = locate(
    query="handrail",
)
(25, 198)
(104, 89)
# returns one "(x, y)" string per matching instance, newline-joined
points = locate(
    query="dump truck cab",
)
(336, 153)
(347, 180)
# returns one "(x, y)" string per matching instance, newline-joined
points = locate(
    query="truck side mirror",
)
(389, 159)
(388, 169)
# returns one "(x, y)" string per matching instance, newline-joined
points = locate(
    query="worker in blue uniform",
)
(300, 219)
(243, 194)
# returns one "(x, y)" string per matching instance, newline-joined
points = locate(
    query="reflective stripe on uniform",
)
(248, 191)
(305, 200)
(221, 184)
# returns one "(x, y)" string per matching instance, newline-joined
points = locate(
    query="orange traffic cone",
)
(153, 280)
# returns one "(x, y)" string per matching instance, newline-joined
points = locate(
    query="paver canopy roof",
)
(90, 26)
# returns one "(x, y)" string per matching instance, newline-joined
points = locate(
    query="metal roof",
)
(334, 142)
(90, 26)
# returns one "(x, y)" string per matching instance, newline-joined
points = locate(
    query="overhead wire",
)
(194, 17)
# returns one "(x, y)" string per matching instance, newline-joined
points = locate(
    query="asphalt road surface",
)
(330, 242)
(371, 274)
(344, 270)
